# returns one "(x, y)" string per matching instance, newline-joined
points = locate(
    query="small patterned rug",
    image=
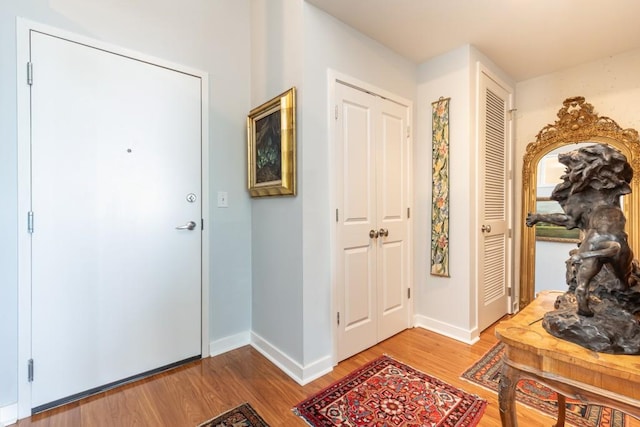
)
(386, 392)
(240, 416)
(486, 372)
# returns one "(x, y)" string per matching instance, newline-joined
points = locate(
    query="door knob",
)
(486, 228)
(188, 226)
(373, 234)
(384, 232)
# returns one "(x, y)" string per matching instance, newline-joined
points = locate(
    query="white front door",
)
(116, 168)
(494, 275)
(372, 154)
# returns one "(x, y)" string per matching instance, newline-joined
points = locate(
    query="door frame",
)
(23, 29)
(334, 77)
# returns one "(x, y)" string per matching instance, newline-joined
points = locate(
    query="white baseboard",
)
(300, 374)
(229, 343)
(467, 336)
(8, 415)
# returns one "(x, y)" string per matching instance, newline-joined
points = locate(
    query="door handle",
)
(188, 226)
(373, 234)
(486, 228)
(384, 232)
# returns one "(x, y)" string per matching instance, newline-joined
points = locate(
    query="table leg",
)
(507, 396)
(562, 410)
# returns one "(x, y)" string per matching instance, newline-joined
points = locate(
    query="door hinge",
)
(509, 233)
(408, 132)
(510, 113)
(30, 222)
(336, 215)
(509, 291)
(29, 73)
(408, 213)
(338, 318)
(408, 293)
(336, 112)
(30, 370)
(201, 223)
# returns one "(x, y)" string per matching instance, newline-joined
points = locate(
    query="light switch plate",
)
(223, 199)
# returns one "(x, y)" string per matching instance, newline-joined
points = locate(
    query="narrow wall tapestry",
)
(440, 183)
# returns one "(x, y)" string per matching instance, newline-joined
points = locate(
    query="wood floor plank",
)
(200, 390)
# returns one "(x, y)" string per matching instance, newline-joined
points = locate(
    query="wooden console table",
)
(567, 368)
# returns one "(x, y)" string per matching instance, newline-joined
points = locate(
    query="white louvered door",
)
(494, 262)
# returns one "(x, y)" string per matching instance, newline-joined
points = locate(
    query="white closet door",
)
(392, 216)
(115, 153)
(357, 256)
(372, 259)
(494, 266)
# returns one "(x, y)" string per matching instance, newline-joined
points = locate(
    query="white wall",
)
(610, 84)
(550, 265)
(210, 35)
(276, 61)
(331, 45)
(448, 305)
(292, 309)
(442, 304)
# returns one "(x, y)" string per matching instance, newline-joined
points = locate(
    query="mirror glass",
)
(553, 242)
(545, 248)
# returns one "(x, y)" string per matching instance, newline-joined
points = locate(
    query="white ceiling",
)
(526, 38)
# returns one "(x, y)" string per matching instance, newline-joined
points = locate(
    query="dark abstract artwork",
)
(268, 149)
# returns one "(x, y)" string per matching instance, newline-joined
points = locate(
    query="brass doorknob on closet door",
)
(486, 228)
(384, 232)
(373, 234)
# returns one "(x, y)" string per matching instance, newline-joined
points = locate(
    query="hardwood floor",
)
(194, 393)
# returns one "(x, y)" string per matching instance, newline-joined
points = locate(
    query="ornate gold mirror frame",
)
(577, 123)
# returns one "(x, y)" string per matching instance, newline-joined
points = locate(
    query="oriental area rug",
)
(386, 392)
(486, 373)
(240, 416)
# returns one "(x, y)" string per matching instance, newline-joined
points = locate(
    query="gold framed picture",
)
(271, 151)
